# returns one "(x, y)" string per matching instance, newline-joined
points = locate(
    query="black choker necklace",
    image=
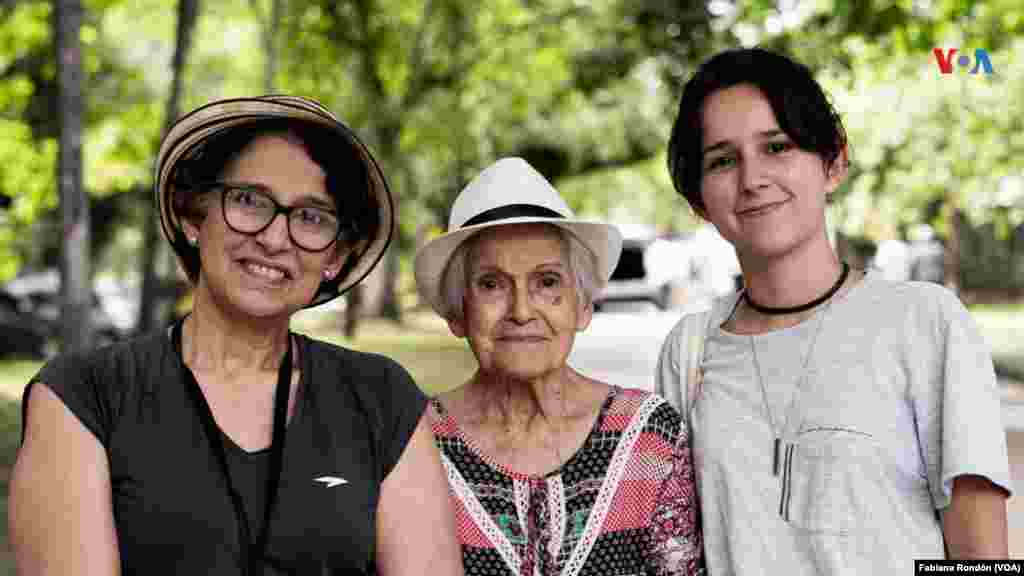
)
(794, 309)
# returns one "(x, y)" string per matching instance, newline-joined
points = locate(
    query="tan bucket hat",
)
(510, 191)
(197, 126)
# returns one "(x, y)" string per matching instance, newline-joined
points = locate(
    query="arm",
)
(974, 524)
(959, 424)
(677, 548)
(415, 520)
(60, 517)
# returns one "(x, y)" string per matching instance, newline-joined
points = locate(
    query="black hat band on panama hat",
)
(511, 211)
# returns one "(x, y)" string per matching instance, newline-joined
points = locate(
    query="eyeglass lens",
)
(249, 210)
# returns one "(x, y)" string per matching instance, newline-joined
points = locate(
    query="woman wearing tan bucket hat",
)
(551, 472)
(226, 444)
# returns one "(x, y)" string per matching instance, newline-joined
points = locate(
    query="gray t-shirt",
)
(899, 398)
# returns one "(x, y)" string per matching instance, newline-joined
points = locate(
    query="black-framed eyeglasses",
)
(250, 208)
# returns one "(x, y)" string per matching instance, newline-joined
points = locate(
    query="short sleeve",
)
(959, 408)
(403, 406)
(72, 379)
(676, 547)
(667, 381)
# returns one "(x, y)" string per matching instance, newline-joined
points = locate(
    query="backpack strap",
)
(678, 377)
(691, 355)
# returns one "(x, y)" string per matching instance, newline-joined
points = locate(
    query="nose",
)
(752, 174)
(275, 236)
(521, 306)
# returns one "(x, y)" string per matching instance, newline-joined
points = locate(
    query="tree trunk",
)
(270, 45)
(153, 287)
(388, 135)
(76, 288)
(951, 248)
(353, 308)
(390, 307)
(268, 37)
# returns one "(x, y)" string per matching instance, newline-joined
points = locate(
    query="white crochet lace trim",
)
(556, 507)
(480, 516)
(616, 469)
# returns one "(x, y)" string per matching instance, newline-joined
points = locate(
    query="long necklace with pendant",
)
(778, 433)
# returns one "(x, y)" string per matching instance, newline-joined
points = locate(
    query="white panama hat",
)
(510, 191)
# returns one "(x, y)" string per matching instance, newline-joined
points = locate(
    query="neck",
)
(516, 404)
(793, 279)
(213, 341)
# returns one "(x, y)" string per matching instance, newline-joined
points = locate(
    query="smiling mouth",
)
(522, 339)
(271, 273)
(761, 210)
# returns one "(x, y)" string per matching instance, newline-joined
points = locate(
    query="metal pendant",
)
(776, 463)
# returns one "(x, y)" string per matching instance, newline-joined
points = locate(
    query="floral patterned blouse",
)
(625, 504)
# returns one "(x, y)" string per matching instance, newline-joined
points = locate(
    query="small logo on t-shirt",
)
(331, 481)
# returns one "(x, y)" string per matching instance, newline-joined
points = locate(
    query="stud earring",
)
(193, 241)
(328, 275)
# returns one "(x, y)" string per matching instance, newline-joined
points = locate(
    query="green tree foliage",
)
(918, 136)
(24, 47)
(118, 113)
(585, 90)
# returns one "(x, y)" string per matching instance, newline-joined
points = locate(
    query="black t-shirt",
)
(249, 473)
(353, 417)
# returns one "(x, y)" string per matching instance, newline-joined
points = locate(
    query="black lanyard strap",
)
(253, 554)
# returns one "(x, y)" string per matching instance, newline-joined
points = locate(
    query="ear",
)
(337, 260)
(836, 172)
(585, 313)
(190, 229)
(457, 327)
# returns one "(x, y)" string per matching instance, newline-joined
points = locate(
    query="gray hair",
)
(581, 262)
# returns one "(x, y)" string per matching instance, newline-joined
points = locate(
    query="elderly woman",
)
(551, 472)
(225, 444)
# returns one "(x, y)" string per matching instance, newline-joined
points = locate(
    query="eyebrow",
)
(555, 264)
(310, 199)
(303, 200)
(763, 135)
(538, 268)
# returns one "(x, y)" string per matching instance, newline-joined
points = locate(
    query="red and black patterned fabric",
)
(625, 504)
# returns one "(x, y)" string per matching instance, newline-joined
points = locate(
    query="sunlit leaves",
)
(638, 194)
(26, 27)
(22, 162)
(919, 136)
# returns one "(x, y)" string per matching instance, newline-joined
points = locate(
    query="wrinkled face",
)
(265, 274)
(763, 194)
(520, 310)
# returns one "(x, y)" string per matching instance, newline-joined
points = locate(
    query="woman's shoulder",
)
(697, 317)
(915, 301)
(876, 283)
(139, 353)
(633, 406)
(368, 375)
(96, 385)
(327, 354)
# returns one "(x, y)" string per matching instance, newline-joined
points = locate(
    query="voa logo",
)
(945, 58)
